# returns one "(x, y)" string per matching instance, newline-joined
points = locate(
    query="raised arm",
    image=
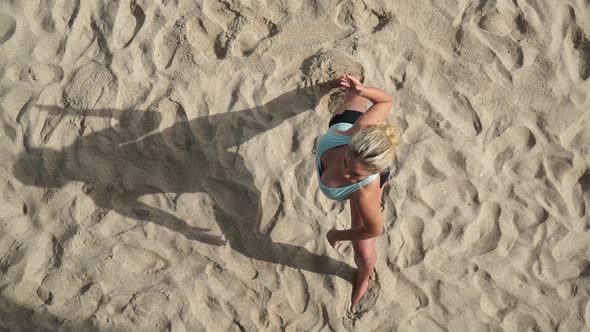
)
(382, 101)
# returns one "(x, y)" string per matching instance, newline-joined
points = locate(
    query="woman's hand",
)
(331, 237)
(351, 83)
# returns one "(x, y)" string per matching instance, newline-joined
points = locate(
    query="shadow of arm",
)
(137, 122)
(240, 126)
(144, 212)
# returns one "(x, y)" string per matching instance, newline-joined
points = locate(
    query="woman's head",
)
(374, 147)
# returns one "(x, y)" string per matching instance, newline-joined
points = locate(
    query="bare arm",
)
(382, 101)
(378, 112)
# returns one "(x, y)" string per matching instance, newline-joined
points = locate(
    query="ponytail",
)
(375, 146)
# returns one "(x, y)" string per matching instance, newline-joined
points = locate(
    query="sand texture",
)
(157, 165)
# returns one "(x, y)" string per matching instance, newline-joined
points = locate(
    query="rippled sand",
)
(157, 165)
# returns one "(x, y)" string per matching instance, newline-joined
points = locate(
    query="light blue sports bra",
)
(330, 140)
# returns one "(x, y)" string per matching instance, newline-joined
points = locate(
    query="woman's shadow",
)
(121, 163)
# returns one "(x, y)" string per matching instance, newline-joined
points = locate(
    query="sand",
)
(157, 165)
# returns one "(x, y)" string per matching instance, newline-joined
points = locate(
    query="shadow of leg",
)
(128, 205)
(247, 242)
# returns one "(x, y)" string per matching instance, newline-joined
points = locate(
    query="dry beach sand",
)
(157, 165)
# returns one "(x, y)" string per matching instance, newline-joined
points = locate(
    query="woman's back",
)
(330, 151)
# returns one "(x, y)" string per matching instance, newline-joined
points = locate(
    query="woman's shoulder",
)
(355, 128)
(342, 129)
(369, 191)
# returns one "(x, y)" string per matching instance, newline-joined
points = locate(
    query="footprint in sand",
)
(576, 192)
(483, 234)
(129, 20)
(516, 321)
(577, 53)
(552, 201)
(497, 303)
(576, 137)
(506, 49)
(498, 73)
(90, 85)
(457, 108)
(39, 15)
(13, 206)
(35, 73)
(409, 250)
(355, 14)
(139, 260)
(79, 39)
(174, 116)
(240, 30)
(573, 246)
(497, 23)
(506, 19)
(252, 35)
(166, 44)
(548, 270)
(13, 252)
(527, 168)
(61, 285)
(454, 107)
(408, 295)
(198, 32)
(556, 166)
(126, 264)
(42, 125)
(500, 32)
(453, 192)
(48, 48)
(439, 166)
(512, 144)
(7, 28)
(432, 171)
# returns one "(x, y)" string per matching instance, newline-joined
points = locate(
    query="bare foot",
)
(365, 296)
(359, 290)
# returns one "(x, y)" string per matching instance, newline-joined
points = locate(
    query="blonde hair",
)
(374, 146)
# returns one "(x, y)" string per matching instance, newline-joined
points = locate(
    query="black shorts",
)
(350, 116)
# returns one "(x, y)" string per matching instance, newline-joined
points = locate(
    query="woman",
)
(356, 151)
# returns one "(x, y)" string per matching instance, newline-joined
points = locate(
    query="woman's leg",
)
(365, 256)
